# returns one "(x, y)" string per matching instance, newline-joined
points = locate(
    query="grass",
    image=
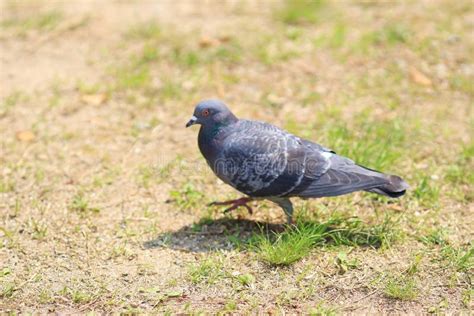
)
(401, 287)
(187, 198)
(460, 258)
(80, 204)
(104, 210)
(322, 310)
(208, 271)
(288, 247)
(298, 241)
(376, 144)
(300, 11)
(43, 22)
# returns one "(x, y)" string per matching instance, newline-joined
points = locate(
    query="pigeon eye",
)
(205, 112)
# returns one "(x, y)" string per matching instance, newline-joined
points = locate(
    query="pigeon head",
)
(211, 113)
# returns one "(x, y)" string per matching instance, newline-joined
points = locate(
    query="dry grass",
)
(103, 192)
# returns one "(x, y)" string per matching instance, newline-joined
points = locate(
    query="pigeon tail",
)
(395, 188)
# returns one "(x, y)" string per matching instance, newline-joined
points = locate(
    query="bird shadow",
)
(208, 236)
(228, 233)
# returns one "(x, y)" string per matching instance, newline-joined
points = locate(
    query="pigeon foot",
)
(235, 204)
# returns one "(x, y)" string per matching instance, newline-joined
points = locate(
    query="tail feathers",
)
(395, 188)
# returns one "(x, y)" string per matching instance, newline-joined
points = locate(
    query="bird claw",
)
(235, 204)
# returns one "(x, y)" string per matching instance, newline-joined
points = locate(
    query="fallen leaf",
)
(25, 136)
(94, 99)
(419, 77)
(395, 207)
(205, 42)
(225, 38)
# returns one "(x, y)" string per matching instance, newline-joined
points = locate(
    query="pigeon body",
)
(264, 161)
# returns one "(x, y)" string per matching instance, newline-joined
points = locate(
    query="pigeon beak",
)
(192, 121)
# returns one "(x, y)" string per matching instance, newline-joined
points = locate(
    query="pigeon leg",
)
(287, 207)
(235, 204)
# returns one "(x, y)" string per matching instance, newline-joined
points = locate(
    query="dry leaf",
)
(94, 99)
(205, 42)
(419, 77)
(25, 136)
(395, 207)
(224, 38)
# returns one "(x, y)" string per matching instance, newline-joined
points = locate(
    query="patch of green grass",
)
(460, 173)
(186, 198)
(42, 22)
(345, 264)
(6, 186)
(149, 54)
(388, 35)
(7, 289)
(300, 11)
(297, 241)
(436, 236)
(11, 101)
(461, 258)
(322, 309)
(288, 247)
(375, 144)
(402, 287)
(245, 279)
(210, 270)
(38, 230)
(462, 83)
(467, 297)
(229, 307)
(427, 192)
(77, 296)
(335, 39)
(80, 204)
(197, 227)
(132, 78)
(186, 57)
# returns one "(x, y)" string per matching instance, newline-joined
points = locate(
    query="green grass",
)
(80, 204)
(459, 258)
(463, 83)
(427, 191)
(297, 241)
(209, 271)
(345, 264)
(300, 11)
(385, 37)
(187, 197)
(374, 144)
(322, 309)
(41, 22)
(401, 287)
(334, 40)
(435, 237)
(130, 78)
(288, 247)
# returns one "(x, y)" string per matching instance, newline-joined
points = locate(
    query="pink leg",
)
(235, 204)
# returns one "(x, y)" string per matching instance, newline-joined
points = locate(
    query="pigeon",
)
(265, 162)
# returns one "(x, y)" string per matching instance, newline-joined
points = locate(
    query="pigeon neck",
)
(212, 130)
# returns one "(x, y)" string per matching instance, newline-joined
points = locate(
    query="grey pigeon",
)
(265, 162)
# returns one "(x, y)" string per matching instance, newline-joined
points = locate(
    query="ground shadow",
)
(220, 234)
(228, 233)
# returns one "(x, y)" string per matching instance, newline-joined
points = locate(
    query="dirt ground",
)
(103, 192)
